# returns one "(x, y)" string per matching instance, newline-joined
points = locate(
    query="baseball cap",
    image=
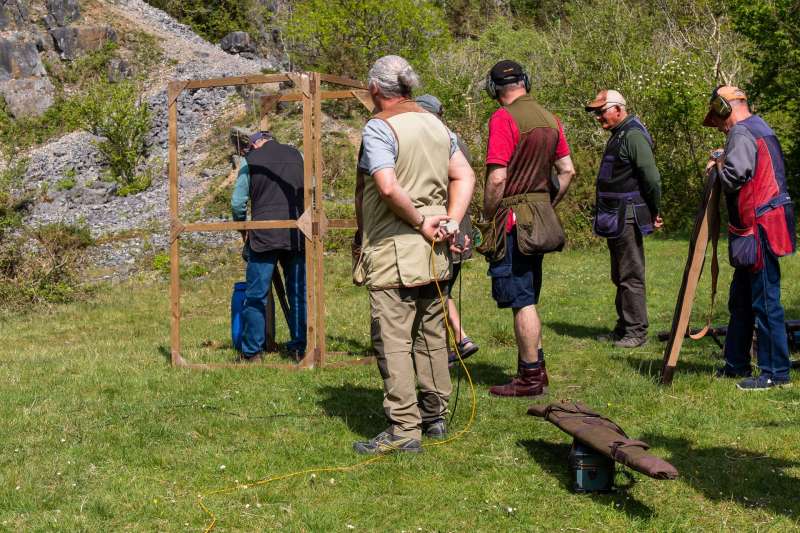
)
(506, 71)
(729, 93)
(257, 136)
(430, 103)
(605, 97)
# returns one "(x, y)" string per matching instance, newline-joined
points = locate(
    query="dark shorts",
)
(517, 278)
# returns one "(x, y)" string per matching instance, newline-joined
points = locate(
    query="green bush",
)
(117, 113)
(65, 184)
(213, 19)
(346, 36)
(12, 205)
(42, 265)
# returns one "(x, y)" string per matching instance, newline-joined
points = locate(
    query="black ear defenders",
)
(719, 105)
(491, 86)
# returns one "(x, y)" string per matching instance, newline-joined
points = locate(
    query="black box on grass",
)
(591, 471)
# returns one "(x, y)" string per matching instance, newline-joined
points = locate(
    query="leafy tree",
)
(117, 113)
(346, 36)
(773, 27)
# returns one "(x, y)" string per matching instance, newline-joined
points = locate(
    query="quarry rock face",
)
(73, 41)
(19, 57)
(27, 97)
(13, 15)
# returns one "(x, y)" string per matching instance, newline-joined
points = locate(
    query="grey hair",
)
(393, 76)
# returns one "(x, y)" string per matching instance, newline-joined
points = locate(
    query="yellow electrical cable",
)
(347, 468)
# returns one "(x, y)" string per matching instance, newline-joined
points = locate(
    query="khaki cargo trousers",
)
(408, 332)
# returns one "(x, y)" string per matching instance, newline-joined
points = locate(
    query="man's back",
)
(276, 193)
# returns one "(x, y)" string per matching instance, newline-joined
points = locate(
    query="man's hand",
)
(460, 243)
(431, 229)
(658, 223)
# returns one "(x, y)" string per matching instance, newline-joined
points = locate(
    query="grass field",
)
(99, 433)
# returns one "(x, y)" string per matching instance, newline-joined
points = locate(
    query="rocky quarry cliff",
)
(38, 39)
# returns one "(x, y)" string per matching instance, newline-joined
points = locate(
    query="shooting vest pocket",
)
(403, 259)
(743, 247)
(610, 214)
(539, 229)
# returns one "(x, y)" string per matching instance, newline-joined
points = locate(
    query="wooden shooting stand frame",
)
(313, 223)
(706, 229)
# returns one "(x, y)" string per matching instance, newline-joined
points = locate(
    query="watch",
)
(418, 225)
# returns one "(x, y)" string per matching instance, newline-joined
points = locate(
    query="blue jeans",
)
(755, 301)
(260, 267)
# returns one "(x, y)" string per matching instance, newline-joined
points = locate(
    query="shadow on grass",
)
(651, 367)
(165, 352)
(359, 407)
(482, 373)
(553, 458)
(578, 331)
(751, 479)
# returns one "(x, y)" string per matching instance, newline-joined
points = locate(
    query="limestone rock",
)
(74, 40)
(61, 12)
(237, 42)
(19, 57)
(118, 70)
(13, 15)
(27, 97)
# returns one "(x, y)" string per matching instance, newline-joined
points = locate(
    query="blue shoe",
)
(762, 382)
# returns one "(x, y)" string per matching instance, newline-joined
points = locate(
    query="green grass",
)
(99, 433)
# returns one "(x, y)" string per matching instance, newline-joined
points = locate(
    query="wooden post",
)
(309, 360)
(319, 251)
(173, 92)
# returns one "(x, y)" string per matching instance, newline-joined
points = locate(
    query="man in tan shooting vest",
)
(411, 178)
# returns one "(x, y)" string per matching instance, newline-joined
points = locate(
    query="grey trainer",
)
(385, 442)
(435, 429)
(630, 342)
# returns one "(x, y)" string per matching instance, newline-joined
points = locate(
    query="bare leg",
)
(455, 320)
(528, 330)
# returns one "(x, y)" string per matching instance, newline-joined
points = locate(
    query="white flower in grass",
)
(222, 467)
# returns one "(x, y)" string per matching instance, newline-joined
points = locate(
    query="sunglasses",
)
(602, 110)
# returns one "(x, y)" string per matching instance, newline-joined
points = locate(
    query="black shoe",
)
(726, 372)
(252, 358)
(762, 382)
(385, 442)
(435, 429)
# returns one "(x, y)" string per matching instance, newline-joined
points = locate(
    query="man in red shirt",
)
(525, 143)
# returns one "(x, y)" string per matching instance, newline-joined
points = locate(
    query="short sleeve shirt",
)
(379, 146)
(504, 136)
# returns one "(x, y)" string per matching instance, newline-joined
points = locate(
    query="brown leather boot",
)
(528, 382)
(545, 380)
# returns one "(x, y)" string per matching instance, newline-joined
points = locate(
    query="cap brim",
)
(594, 104)
(709, 120)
